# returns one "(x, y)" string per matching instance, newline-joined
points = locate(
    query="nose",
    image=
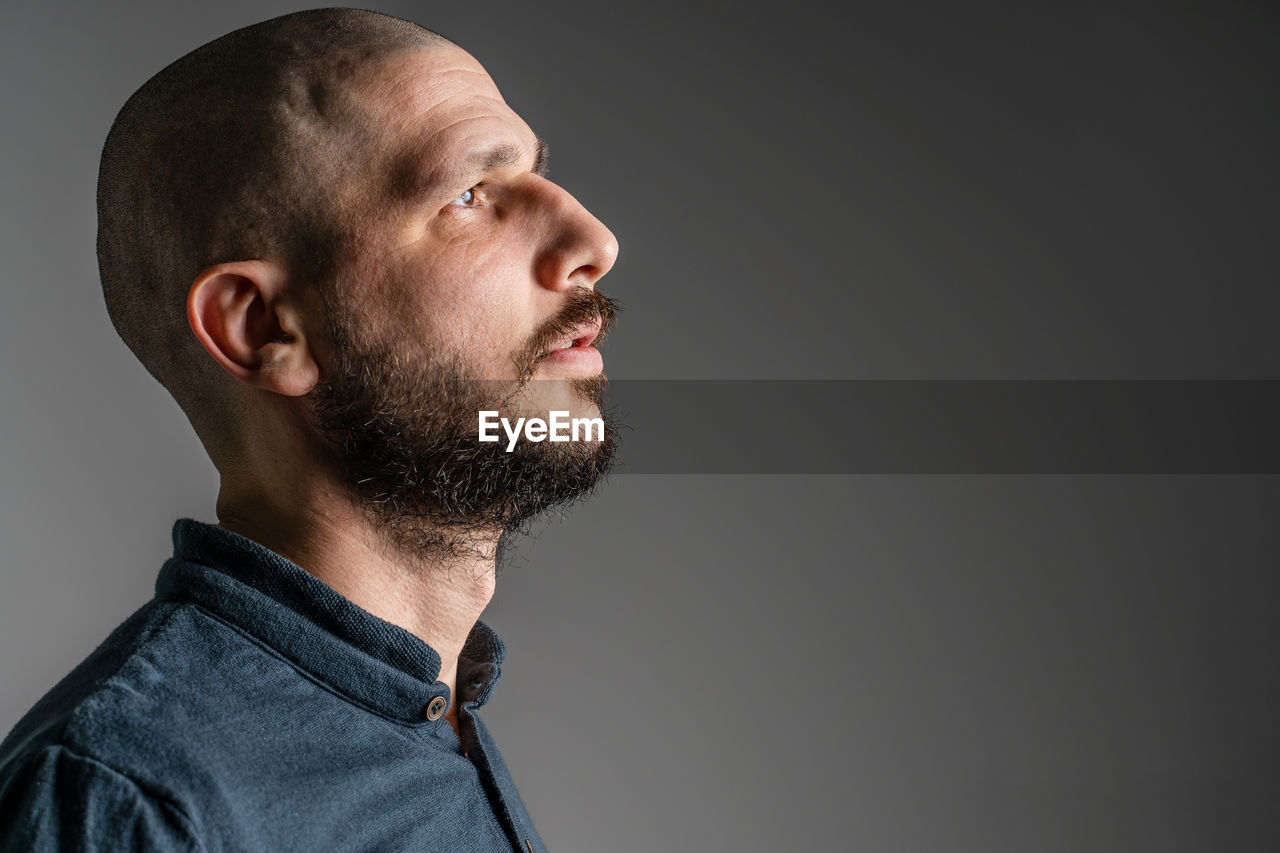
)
(576, 248)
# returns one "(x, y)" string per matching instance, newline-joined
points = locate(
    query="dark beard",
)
(403, 434)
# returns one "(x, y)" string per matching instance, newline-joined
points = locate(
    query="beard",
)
(402, 431)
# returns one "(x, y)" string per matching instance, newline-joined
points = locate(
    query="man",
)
(333, 242)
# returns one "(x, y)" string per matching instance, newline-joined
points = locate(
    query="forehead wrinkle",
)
(411, 164)
(412, 108)
(403, 118)
(406, 98)
(385, 102)
(484, 155)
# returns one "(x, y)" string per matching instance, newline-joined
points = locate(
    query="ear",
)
(242, 315)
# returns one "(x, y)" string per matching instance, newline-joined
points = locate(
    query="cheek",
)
(469, 299)
(482, 296)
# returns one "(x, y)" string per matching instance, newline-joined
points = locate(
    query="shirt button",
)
(436, 708)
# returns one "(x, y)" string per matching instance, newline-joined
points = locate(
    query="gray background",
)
(869, 191)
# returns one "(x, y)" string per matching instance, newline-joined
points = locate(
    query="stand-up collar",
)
(369, 660)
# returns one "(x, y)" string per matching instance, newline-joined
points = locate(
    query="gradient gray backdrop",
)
(839, 191)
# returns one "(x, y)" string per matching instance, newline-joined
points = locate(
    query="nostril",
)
(586, 273)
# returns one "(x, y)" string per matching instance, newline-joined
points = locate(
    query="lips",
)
(580, 336)
(568, 342)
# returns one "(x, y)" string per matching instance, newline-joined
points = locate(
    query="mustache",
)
(582, 306)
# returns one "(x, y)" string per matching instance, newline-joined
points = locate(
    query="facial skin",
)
(462, 248)
(466, 270)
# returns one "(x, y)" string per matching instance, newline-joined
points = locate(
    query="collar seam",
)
(414, 724)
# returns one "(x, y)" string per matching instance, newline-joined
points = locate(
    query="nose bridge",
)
(578, 248)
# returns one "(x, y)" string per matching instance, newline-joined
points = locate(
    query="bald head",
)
(233, 152)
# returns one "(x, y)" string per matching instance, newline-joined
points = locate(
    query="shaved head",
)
(334, 243)
(236, 151)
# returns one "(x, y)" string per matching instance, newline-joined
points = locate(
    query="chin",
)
(580, 398)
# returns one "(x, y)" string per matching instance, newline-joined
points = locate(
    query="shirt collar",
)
(370, 661)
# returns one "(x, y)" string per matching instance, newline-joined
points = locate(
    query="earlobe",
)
(240, 312)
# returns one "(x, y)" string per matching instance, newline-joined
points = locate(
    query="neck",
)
(438, 599)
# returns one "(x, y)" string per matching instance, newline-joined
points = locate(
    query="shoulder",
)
(121, 678)
(57, 799)
(57, 714)
(140, 704)
(130, 744)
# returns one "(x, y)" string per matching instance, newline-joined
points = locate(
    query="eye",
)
(469, 198)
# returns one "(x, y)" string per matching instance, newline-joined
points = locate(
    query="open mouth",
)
(580, 338)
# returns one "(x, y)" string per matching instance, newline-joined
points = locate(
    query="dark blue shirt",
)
(251, 707)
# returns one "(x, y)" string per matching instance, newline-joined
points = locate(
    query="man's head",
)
(329, 237)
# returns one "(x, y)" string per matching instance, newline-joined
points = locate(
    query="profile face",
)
(462, 276)
(459, 250)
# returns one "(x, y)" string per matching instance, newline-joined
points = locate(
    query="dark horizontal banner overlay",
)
(947, 427)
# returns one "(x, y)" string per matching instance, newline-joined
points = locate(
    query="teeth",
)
(568, 345)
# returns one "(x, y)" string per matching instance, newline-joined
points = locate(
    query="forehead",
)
(430, 107)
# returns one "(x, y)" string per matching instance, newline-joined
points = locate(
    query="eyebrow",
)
(411, 183)
(507, 156)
